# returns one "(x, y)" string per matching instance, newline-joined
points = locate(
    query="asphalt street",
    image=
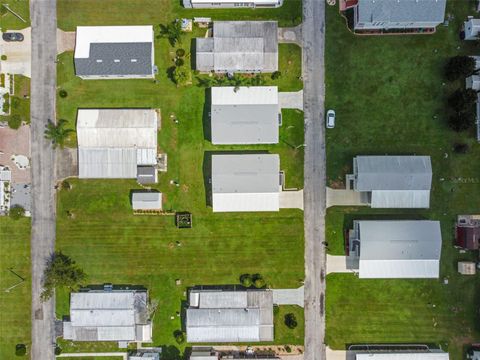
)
(313, 32)
(42, 109)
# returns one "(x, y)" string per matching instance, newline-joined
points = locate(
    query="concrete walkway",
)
(341, 264)
(289, 296)
(18, 55)
(290, 35)
(291, 199)
(339, 354)
(67, 163)
(65, 41)
(342, 197)
(124, 355)
(291, 100)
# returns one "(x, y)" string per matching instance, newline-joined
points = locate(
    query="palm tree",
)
(57, 133)
(173, 32)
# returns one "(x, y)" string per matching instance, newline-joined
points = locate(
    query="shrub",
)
(66, 185)
(258, 281)
(462, 99)
(6, 103)
(14, 121)
(4, 57)
(180, 75)
(20, 349)
(179, 62)
(63, 93)
(461, 121)
(58, 350)
(291, 321)
(180, 52)
(246, 280)
(179, 336)
(288, 349)
(16, 212)
(276, 75)
(276, 309)
(460, 148)
(458, 67)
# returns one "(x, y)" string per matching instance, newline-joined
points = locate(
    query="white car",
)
(330, 119)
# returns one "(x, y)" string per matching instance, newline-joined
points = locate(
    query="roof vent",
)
(99, 60)
(116, 60)
(133, 60)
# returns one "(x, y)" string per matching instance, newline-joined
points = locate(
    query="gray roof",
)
(146, 174)
(438, 355)
(230, 316)
(107, 316)
(107, 163)
(116, 59)
(147, 200)
(392, 11)
(239, 46)
(399, 248)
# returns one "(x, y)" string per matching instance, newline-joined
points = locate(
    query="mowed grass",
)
(15, 304)
(114, 246)
(389, 95)
(9, 21)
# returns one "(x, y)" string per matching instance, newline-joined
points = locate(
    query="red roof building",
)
(467, 232)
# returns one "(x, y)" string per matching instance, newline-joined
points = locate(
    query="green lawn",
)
(8, 20)
(15, 304)
(20, 102)
(389, 96)
(113, 245)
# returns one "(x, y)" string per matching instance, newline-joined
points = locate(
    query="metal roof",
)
(403, 356)
(147, 200)
(399, 249)
(246, 182)
(412, 199)
(230, 316)
(392, 11)
(239, 46)
(146, 174)
(107, 316)
(114, 51)
(245, 115)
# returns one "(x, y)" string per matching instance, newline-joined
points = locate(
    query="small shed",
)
(147, 175)
(151, 200)
(467, 268)
(471, 28)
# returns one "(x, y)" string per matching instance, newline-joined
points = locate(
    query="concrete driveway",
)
(291, 100)
(341, 264)
(18, 55)
(291, 199)
(65, 41)
(289, 296)
(343, 197)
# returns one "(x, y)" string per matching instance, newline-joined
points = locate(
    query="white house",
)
(246, 182)
(114, 52)
(245, 115)
(471, 28)
(394, 355)
(213, 4)
(396, 248)
(473, 82)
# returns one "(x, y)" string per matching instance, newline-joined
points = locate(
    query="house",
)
(114, 52)
(210, 4)
(398, 14)
(239, 46)
(245, 115)
(116, 143)
(473, 82)
(246, 182)
(395, 355)
(145, 354)
(108, 315)
(471, 28)
(151, 200)
(396, 248)
(467, 232)
(204, 353)
(217, 316)
(393, 181)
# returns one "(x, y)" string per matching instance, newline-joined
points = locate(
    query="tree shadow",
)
(169, 73)
(170, 352)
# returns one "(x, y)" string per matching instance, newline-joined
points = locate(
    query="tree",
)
(179, 336)
(461, 121)
(180, 75)
(61, 271)
(462, 100)
(459, 66)
(57, 133)
(20, 349)
(259, 283)
(16, 212)
(173, 32)
(246, 280)
(291, 321)
(276, 75)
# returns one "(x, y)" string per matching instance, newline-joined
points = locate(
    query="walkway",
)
(290, 35)
(313, 30)
(289, 296)
(341, 264)
(42, 109)
(65, 41)
(343, 197)
(291, 199)
(291, 100)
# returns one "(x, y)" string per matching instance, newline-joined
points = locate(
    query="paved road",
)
(42, 107)
(314, 188)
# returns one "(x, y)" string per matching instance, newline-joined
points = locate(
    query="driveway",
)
(289, 296)
(341, 264)
(15, 142)
(18, 55)
(65, 41)
(343, 197)
(291, 199)
(290, 35)
(291, 100)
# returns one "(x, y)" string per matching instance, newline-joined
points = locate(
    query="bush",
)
(462, 100)
(63, 93)
(458, 67)
(179, 62)
(288, 349)
(291, 321)
(461, 121)
(16, 212)
(246, 280)
(276, 75)
(460, 148)
(58, 350)
(14, 121)
(20, 349)
(66, 185)
(4, 57)
(179, 336)
(180, 52)
(258, 281)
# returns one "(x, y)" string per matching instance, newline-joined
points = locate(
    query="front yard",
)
(389, 93)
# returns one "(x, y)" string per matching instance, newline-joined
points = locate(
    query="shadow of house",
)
(207, 119)
(193, 54)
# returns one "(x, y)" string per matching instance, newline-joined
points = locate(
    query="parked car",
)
(330, 119)
(12, 36)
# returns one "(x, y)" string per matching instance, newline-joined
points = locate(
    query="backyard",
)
(389, 94)
(96, 226)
